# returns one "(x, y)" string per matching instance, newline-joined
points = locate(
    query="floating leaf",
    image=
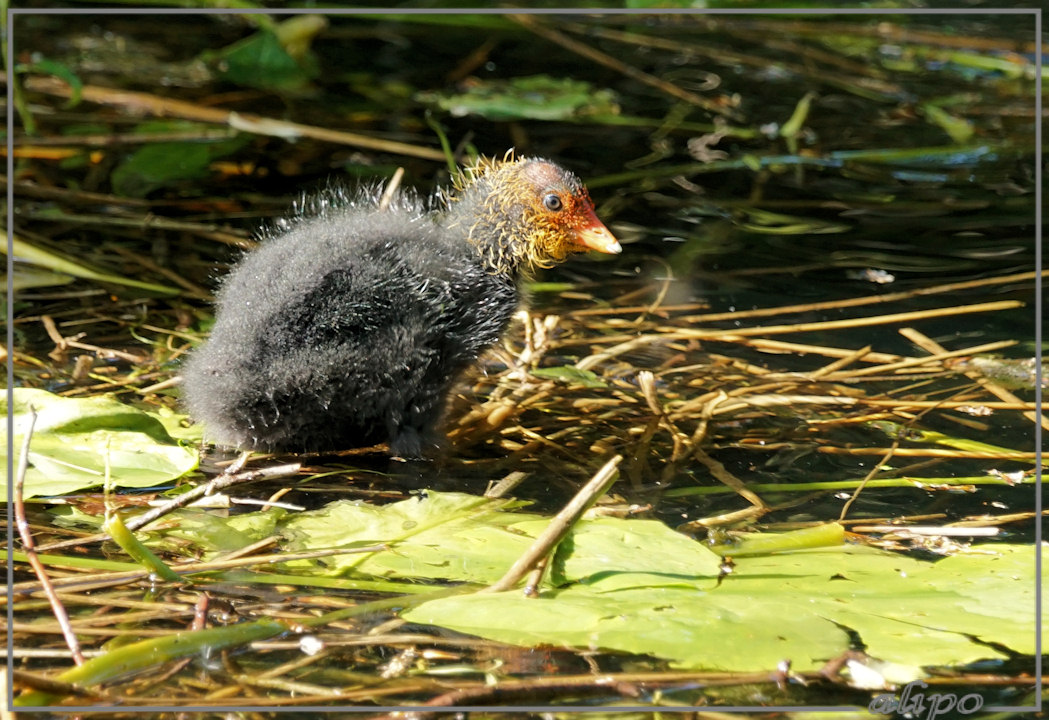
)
(637, 586)
(277, 59)
(571, 375)
(794, 606)
(444, 536)
(25, 278)
(75, 438)
(160, 164)
(27, 252)
(960, 129)
(212, 533)
(536, 97)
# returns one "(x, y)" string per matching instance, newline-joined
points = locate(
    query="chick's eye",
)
(552, 202)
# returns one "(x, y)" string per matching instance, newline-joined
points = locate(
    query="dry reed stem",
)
(782, 346)
(94, 581)
(725, 477)
(141, 102)
(138, 224)
(865, 300)
(833, 367)
(929, 452)
(844, 324)
(730, 518)
(664, 333)
(789, 400)
(391, 188)
(612, 416)
(722, 54)
(871, 474)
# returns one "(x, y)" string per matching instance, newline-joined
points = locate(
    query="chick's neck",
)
(496, 221)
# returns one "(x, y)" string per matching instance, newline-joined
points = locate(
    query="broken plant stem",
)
(912, 362)
(725, 477)
(219, 483)
(29, 546)
(986, 383)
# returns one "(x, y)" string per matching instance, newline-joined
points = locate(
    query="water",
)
(872, 197)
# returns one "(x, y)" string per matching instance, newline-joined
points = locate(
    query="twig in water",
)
(929, 452)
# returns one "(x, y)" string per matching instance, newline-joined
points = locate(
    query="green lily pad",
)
(444, 536)
(794, 606)
(74, 440)
(637, 586)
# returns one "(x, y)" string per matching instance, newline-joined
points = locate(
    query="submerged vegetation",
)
(801, 405)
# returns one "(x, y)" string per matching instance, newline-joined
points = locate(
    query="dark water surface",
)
(872, 196)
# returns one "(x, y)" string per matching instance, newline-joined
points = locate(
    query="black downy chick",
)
(349, 327)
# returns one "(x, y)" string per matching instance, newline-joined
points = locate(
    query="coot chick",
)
(347, 327)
